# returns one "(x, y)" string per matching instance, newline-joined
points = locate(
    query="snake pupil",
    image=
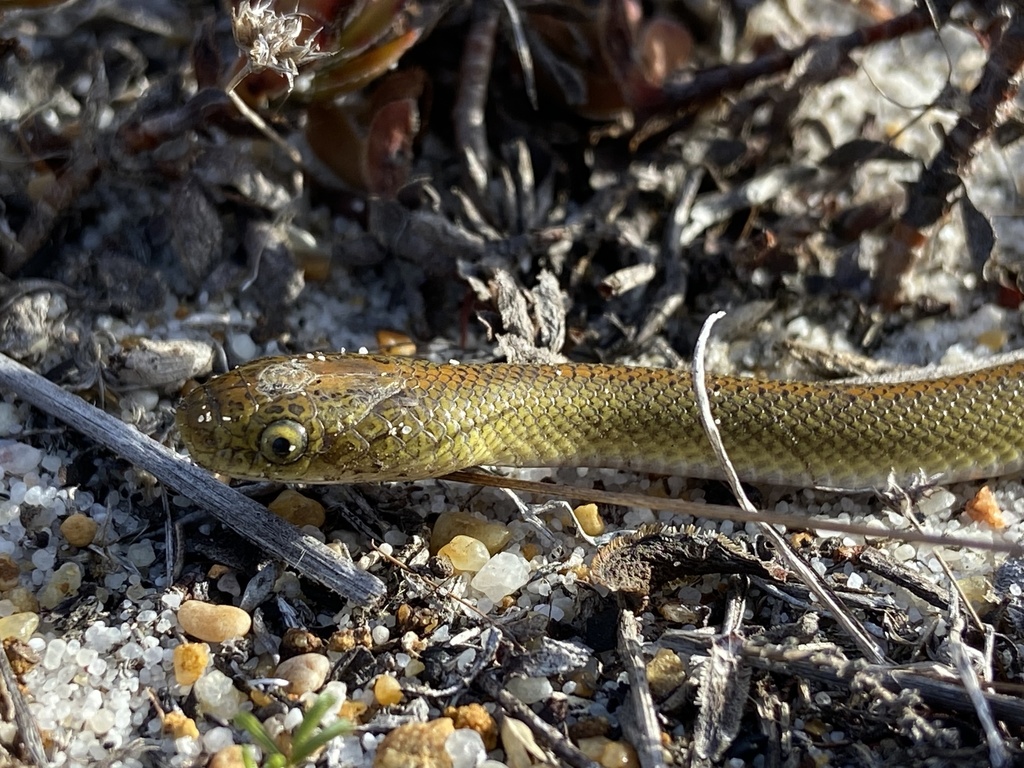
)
(283, 442)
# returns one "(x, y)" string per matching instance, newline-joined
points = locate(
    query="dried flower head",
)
(271, 40)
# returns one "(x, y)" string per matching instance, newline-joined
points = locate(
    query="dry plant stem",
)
(998, 754)
(258, 122)
(474, 76)
(808, 575)
(930, 199)
(546, 734)
(828, 665)
(709, 85)
(522, 51)
(889, 569)
(641, 727)
(251, 520)
(27, 728)
(719, 512)
(712, 208)
(676, 269)
(724, 683)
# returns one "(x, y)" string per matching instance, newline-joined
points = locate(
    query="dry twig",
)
(809, 576)
(641, 727)
(249, 519)
(27, 728)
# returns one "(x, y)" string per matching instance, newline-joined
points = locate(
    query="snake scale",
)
(342, 418)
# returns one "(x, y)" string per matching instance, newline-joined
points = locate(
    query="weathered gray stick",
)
(243, 515)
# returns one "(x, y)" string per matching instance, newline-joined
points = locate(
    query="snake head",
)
(311, 419)
(248, 425)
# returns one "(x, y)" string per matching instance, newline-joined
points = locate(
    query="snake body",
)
(343, 418)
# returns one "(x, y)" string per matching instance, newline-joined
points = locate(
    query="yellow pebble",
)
(665, 673)
(298, 509)
(416, 745)
(213, 623)
(352, 710)
(479, 719)
(610, 754)
(387, 691)
(23, 600)
(259, 698)
(530, 550)
(176, 724)
(589, 519)
(190, 660)
(79, 530)
(466, 553)
(995, 339)
(229, 757)
(451, 524)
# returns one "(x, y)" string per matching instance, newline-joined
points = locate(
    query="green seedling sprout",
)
(307, 737)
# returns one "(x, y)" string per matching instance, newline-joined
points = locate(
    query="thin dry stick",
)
(867, 645)
(258, 122)
(931, 197)
(642, 726)
(827, 664)
(997, 753)
(709, 85)
(719, 512)
(246, 517)
(27, 728)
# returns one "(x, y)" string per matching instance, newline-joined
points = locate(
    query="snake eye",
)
(283, 442)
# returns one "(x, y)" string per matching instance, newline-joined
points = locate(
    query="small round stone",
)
(242, 346)
(416, 745)
(387, 691)
(502, 575)
(23, 600)
(465, 748)
(79, 530)
(190, 661)
(305, 673)
(465, 553)
(217, 696)
(141, 554)
(298, 509)
(213, 623)
(530, 690)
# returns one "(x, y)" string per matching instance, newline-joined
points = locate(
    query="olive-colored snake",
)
(362, 418)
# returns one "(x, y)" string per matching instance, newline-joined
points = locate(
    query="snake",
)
(348, 418)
